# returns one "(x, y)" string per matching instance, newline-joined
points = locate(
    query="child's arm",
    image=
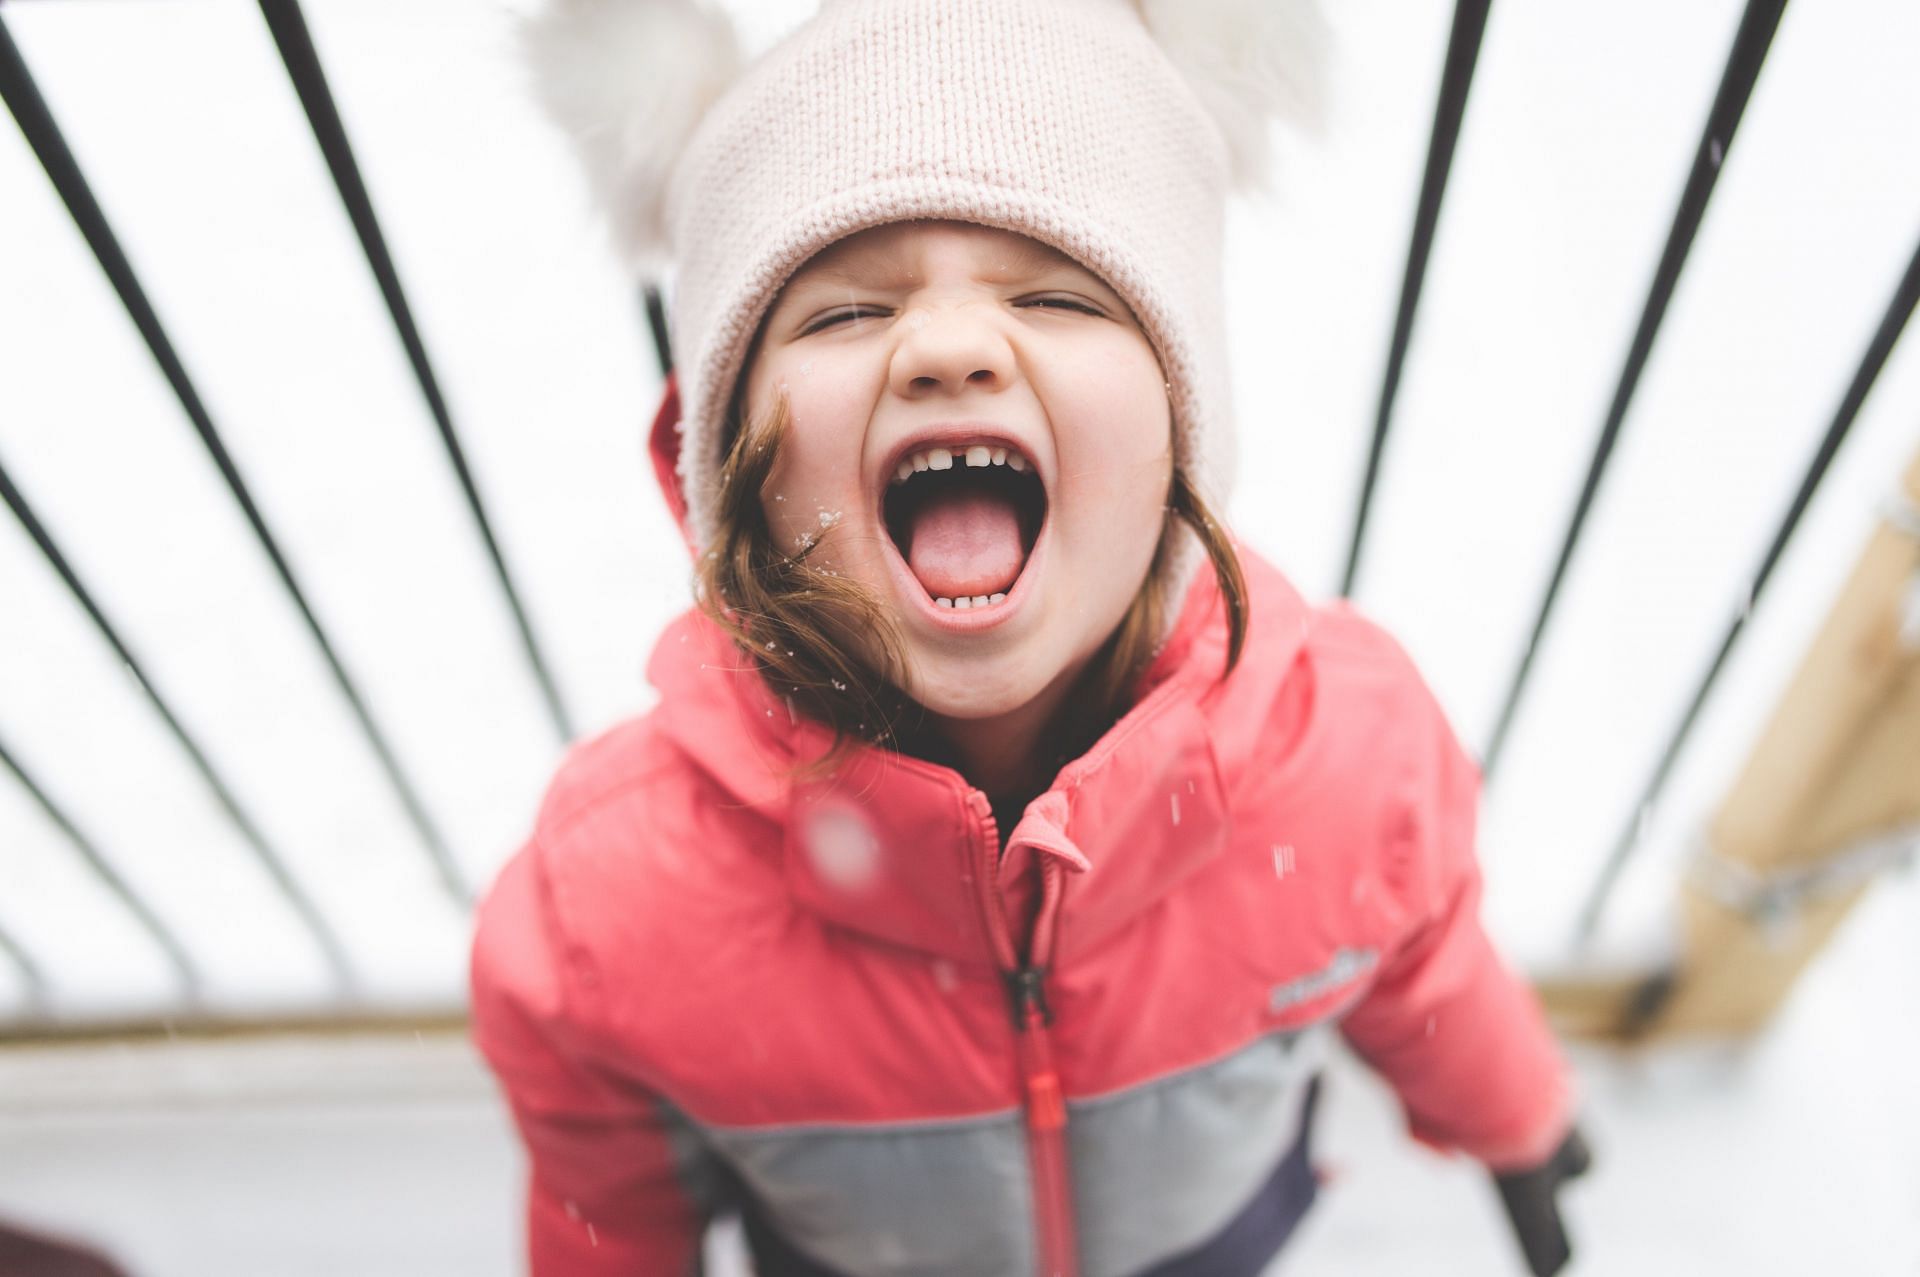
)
(1458, 1034)
(610, 1174)
(1463, 1040)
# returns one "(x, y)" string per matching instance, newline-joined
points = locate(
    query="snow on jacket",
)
(836, 1007)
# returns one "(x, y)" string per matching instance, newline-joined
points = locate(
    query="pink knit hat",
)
(1112, 130)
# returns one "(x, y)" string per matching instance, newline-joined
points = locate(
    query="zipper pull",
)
(1046, 1107)
(1027, 990)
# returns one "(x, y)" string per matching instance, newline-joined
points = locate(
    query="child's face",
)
(919, 339)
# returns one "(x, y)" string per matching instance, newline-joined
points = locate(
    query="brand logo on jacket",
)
(1346, 966)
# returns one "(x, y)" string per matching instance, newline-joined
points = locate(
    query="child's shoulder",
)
(614, 766)
(628, 795)
(1345, 641)
(1352, 693)
(618, 800)
(1377, 684)
(1397, 729)
(634, 847)
(1351, 655)
(582, 897)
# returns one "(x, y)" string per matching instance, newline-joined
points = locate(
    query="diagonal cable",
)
(323, 935)
(657, 325)
(30, 111)
(1750, 44)
(302, 61)
(1905, 296)
(1463, 52)
(184, 967)
(31, 975)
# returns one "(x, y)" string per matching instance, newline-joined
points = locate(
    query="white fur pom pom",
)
(629, 81)
(1251, 62)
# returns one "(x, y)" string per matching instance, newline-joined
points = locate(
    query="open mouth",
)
(964, 518)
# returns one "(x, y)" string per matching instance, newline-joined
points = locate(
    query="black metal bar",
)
(36, 122)
(1463, 52)
(302, 61)
(1905, 297)
(183, 965)
(1750, 44)
(275, 866)
(657, 325)
(38, 995)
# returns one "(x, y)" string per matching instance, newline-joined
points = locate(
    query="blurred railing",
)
(36, 121)
(1754, 36)
(287, 26)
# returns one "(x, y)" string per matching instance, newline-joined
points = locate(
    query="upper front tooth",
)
(974, 454)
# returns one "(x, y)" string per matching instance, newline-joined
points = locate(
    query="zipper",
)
(1046, 1107)
(1046, 1124)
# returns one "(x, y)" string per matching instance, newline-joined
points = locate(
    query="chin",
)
(983, 685)
(953, 694)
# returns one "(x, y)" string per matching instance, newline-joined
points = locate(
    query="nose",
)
(948, 351)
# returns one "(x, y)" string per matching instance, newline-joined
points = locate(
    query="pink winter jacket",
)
(705, 985)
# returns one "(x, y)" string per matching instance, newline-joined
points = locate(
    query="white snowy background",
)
(1798, 1152)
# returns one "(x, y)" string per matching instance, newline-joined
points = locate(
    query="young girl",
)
(1007, 842)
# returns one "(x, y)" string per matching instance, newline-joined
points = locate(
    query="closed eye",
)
(1061, 303)
(834, 317)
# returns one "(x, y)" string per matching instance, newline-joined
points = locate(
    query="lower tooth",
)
(979, 600)
(963, 602)
(943, 602)
(996, 598)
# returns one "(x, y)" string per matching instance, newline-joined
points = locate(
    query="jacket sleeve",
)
(1457, 1034)
(612, 1181)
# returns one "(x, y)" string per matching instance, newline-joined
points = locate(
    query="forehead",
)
(904, 250)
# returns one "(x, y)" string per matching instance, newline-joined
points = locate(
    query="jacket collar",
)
(905, 851)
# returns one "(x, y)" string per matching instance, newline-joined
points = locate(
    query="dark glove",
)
(1529, 1198)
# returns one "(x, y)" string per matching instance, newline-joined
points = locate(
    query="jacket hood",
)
(663, 447)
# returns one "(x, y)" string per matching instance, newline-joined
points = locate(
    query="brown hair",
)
(827, 644)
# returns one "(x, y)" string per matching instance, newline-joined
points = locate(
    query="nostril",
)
(978, 377)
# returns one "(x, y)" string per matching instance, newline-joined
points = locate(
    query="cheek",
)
(817, 472)
(1113, 427)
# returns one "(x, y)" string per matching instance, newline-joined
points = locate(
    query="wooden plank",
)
(1781, 808)
(1837, 763)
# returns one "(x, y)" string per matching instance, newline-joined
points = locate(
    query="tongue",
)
(965, 542)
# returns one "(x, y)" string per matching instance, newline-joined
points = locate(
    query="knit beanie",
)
(1112, 130)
